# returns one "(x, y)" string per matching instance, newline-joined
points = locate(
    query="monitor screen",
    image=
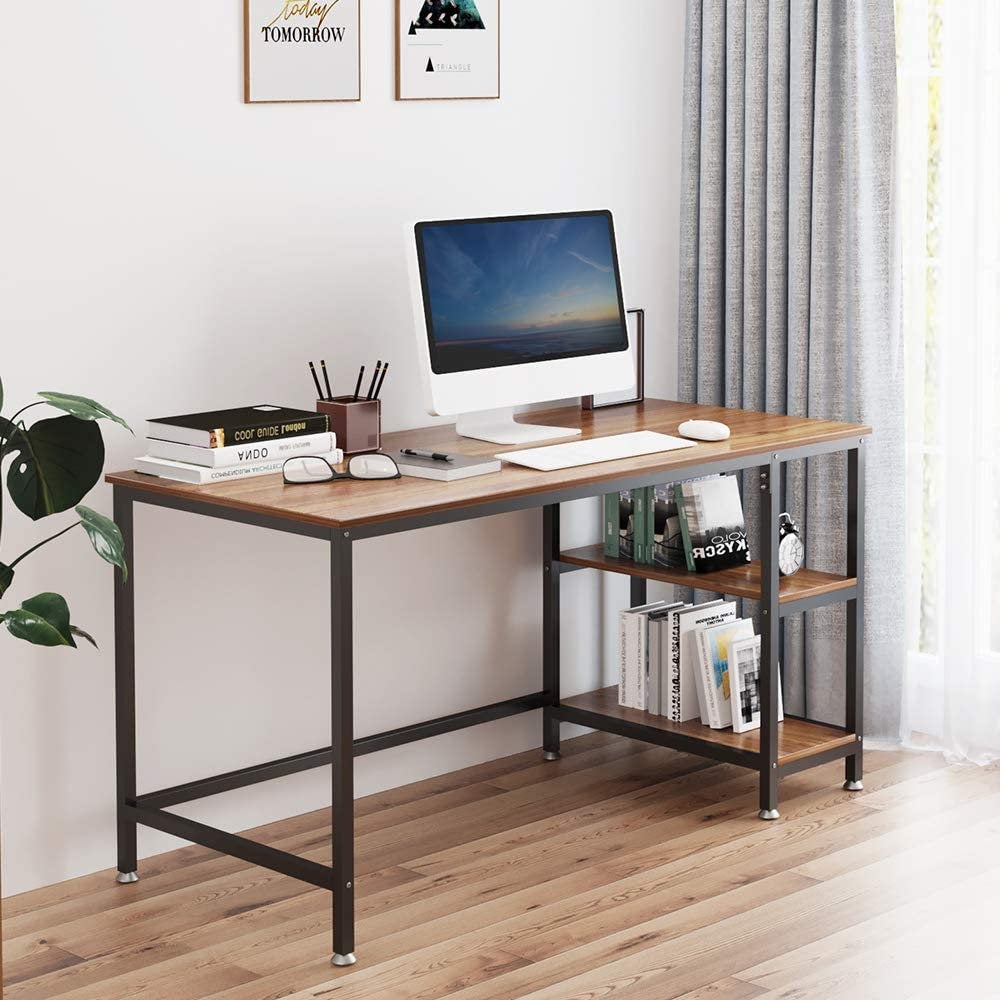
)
(513, 291)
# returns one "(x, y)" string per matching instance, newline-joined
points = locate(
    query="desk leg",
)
(770, 622)
(550, 628)
(125, 693)
(342, 693)
(855, 611)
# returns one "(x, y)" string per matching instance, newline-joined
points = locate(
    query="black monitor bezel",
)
(425, 291)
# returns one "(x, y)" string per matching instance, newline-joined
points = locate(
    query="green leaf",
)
(42, 620)
(59, 462)
(81, 407)
(105, 537)
(6, 578)
(1, 393)
(84, 635)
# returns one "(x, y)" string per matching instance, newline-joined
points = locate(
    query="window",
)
(948, 59)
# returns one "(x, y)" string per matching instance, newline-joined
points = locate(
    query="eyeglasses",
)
(310, 469)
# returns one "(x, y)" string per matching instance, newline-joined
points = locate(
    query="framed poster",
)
(301, 50)
(447, 50)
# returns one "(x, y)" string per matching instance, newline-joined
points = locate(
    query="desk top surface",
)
(347, 503)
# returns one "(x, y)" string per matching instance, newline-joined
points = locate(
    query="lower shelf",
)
(797, 738)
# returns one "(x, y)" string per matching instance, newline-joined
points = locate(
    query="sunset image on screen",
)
(516, 291)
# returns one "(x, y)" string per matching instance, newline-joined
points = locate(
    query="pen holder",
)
(357, 423)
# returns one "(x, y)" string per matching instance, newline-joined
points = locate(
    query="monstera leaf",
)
(6, 578)
(58, 461)
(81, 407)
(104, 536)
(42, 620)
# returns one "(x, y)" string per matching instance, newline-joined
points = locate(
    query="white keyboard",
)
(605, 449)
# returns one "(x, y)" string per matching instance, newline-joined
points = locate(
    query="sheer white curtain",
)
(949, 130)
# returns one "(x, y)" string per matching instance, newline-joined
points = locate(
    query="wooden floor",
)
(618, 872)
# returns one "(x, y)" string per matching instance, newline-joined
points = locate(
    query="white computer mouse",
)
(703, 430)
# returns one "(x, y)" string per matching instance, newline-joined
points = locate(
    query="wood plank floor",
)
(621, 871)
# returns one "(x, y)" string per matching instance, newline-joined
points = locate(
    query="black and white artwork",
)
(447, 49)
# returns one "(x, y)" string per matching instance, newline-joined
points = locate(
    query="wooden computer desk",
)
(346, 512)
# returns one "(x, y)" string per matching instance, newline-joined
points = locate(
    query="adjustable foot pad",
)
(349, 959)
(551, 755)
(854, 786)
(127, 878)
(769, 814)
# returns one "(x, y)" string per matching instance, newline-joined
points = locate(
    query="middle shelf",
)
(808, 585)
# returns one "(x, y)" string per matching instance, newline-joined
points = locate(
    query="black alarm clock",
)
(791, 551)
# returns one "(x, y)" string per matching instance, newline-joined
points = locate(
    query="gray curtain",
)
(789, 287)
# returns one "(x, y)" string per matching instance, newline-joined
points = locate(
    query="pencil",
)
(357, 388)
(371, 388)
(378, 388)
(326, 379)
(319, 391)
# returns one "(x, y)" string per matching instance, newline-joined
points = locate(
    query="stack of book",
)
(690, 661)
(222, 445)
(698, 524)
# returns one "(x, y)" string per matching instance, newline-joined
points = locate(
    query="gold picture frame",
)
(401, 71)
(311, 8)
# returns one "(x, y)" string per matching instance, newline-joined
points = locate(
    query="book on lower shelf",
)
(689, 621)
(685, 662)
(713, 659)
(657, 640)
(203, 475)
(633, 654)
(744, 683)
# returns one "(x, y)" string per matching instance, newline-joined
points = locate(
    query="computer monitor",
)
(516, 310)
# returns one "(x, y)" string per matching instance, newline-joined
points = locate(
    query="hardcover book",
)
(744, 679)
(668, 542)
(657, 640)
(610, 526)
(712, 524)
(242, 425)
(690, 620)
(642, 517)
(634, 636)
(242, 454)
(626, 525)
(713, 651)
(461, 467)
(203, 475)
(678, 701)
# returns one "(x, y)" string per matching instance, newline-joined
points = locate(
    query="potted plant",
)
(55, 462)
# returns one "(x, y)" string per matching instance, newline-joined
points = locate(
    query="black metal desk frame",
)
(151, 808)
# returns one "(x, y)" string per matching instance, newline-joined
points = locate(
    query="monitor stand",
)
(500, 427)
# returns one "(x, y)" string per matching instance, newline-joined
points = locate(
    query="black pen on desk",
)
(419, 453)
(326, 379)
(371, 388)
(357, 388)
(378, 388)
(319, 391)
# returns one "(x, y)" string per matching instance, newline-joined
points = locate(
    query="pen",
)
(357, 388)
(378, 388)
(319, 391)
(418, 453)
(326, 379)
(371, 388)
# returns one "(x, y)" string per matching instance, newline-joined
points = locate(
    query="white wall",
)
(165, 248)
